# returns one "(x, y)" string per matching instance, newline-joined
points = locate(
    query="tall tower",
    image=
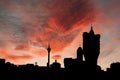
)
(48, 49)
(91, 47)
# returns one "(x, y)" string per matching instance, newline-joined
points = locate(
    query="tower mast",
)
(48, 49)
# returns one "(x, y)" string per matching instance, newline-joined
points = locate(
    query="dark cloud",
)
(21, 47)
(48, 19)
(69, 12)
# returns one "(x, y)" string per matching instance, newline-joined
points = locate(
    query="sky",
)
(28, 26)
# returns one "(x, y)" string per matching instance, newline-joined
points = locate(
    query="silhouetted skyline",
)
(74, 68)
(26, 27)
(90, 52)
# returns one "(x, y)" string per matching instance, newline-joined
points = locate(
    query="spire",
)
(49, 49)
(91, 31)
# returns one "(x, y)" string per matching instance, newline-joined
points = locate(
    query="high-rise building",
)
(91, 47)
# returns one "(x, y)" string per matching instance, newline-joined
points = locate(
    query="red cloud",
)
(117, 40)
(56, 57)
(59, 24)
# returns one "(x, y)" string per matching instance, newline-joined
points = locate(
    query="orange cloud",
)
(4, 53)
(15, 57)
(56, 57)
(39, 52)
(7, 54)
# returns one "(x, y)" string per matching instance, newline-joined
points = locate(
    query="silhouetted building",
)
(70, 63)
(2, 61)
(113, 73)
(2, 64)
(56, 65)
(91, 47)
(48, 49)
(90, 51)
(115, 66)
(79, 54)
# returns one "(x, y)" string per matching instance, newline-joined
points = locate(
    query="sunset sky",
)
(27, 26)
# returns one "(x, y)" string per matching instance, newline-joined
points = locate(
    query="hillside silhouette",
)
(76, 69)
